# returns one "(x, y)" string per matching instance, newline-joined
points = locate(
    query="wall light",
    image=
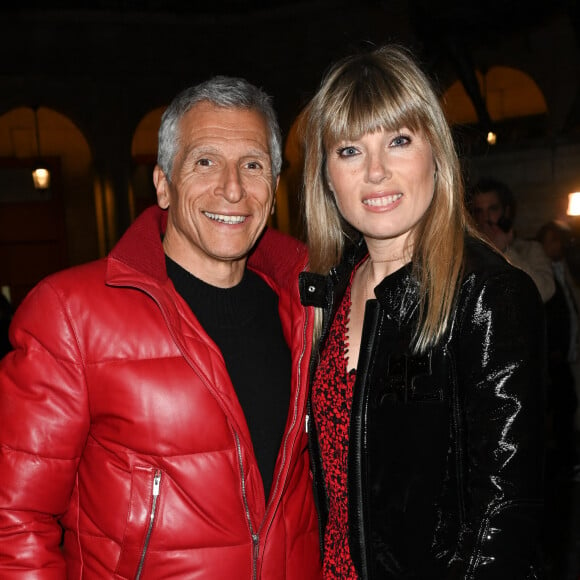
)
(41, 178)
(573, 203)
(40, 174)
(491, 138)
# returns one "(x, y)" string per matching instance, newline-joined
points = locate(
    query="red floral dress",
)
(331, 404)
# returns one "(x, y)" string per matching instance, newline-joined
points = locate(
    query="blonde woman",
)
(426, 426)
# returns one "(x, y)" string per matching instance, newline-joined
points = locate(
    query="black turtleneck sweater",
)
(244, 323)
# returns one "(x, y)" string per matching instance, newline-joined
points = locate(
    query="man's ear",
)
(161, 187)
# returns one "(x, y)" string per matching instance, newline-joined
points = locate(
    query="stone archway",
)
(42, 231)
(508, 93)
(144, 158)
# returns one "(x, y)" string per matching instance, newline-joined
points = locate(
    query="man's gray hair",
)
(222, 91)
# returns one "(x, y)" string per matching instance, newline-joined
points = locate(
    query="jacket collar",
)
(397, 293)
(276, 255)
(321, 290)
(140, 248)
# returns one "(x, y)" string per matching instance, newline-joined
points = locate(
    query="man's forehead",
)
(486, 198)
(216, 146)
(207, 126)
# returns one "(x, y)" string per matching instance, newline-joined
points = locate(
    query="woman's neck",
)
(386, 258)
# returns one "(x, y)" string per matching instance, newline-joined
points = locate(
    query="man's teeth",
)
(383, 200)
(225, 219)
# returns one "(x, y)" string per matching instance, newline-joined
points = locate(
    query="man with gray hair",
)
(153, 410)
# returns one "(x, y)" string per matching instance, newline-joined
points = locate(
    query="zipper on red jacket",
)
(256, 544)
(156, 486)
(285, 444)
(295, 407)
(254, 535)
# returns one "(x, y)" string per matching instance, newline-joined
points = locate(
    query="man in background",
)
(493, 207)
(562, 465)
(562, 324)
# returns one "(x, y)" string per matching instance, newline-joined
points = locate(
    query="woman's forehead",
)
(340, 132)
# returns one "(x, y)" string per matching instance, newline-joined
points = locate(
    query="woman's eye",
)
(347, 151)
(400, 140)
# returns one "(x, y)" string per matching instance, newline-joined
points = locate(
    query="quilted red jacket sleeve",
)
(39, 452)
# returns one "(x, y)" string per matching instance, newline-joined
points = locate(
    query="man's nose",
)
(481, 217)
(231, 186)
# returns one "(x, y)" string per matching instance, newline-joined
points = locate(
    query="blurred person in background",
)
(562, 322)
(562, 530)
(493, 207)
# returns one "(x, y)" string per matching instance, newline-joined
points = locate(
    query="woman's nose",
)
(377, 169)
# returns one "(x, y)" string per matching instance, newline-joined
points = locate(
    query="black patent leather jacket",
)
(445, 458)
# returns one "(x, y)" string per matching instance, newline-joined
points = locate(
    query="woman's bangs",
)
(367, 109)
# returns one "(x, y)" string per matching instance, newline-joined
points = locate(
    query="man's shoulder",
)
(75, 289)
(76, 277)
(525, 246)
(487, 268)
(283, 241)
(482, 256)
(279, 256)
(485, 261)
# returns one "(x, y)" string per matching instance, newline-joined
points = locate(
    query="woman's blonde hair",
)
(386, 89)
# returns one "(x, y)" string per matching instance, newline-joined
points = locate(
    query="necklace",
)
(370, 262)
(401, 257)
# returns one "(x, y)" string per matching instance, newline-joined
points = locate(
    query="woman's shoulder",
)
(480, 255)
(483, 259)
(487, 268)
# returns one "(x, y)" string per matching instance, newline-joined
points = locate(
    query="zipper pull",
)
(156, 483)
(307, 423)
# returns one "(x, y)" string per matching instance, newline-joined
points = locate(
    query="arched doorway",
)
(509, 95)
(43, 230)
(144, 157)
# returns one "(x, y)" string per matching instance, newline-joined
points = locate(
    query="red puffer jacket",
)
(118, 418)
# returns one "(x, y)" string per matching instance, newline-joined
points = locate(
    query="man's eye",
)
(253, 165)
(347, 151)
(203, 162)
